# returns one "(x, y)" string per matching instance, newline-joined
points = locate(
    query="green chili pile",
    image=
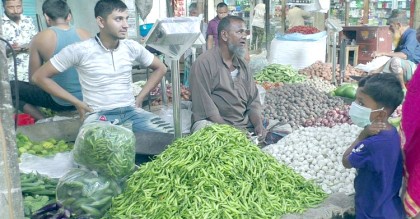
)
(214, 173)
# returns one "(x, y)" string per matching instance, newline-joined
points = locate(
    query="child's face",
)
(366, 101)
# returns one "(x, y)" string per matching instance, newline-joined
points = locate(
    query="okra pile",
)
(279, 73)
(216, 172)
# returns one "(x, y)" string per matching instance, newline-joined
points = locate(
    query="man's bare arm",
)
(42, 78)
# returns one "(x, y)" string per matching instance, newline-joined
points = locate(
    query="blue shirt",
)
(409, 46)
(68, 79)
(379, 163)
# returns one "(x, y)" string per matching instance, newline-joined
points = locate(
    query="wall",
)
(11, 201)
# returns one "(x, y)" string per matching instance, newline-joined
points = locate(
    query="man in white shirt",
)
(258, 25)
(104, 64)
(18, 30)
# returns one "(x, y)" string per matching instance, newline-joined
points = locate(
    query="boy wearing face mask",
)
(376, 153)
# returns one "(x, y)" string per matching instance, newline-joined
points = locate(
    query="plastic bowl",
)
(145, 28)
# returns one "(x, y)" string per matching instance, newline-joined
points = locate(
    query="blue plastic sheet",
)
(301, 37)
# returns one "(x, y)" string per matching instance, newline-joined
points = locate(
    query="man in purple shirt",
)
(212, 38)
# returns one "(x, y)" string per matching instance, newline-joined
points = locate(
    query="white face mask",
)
(360, 115)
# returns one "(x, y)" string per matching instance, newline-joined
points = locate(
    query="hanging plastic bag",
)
(85, 194)
(107, 149)
(258, 62)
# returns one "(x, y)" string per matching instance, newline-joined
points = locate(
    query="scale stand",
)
(173, 36)
(331, 27)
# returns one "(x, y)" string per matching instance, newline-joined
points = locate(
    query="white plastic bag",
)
(258, 62)
(261, 92)
(299, 54)
(166, 113)
(53, 167)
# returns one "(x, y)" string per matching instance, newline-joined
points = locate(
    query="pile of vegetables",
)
(397, 112)
(54, 211)
(185, 94)
(106, 148)
(395, 118)
(37, 191)
(324, 71)
(319, 84)
(215, 172)
(44, 148)
(86, 194)
(270, 85)
(47, 112)
(303, 30)
(331, 118)
(295, 103)
(316, 153)
(347, 90)
(279, 73)
(137, 87)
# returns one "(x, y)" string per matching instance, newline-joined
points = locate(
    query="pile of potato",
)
(296, 103)
(324, 71)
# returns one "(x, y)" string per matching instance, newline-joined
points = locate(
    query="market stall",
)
(203, 162)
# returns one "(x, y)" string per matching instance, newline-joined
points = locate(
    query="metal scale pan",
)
(172, 37)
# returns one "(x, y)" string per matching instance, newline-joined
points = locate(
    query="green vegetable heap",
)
(43, 148)
(216, 172)
(279, 73)
(106, 148)
(346, 90)
(37, 191)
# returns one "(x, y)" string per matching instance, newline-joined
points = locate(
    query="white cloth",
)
(21, 34)
(105, 75)
(322, 5)
(259, 13)
(234, 73)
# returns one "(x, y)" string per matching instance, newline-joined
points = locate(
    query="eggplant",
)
(46, 209)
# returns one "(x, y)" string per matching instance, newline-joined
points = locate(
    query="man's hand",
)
(83, 108)
(139, 101)
(261, 132)
(20, 48)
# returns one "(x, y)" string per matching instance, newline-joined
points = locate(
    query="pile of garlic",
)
(316, 154)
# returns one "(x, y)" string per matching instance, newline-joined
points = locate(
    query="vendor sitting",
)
(222, 88)
(43, 46)
(406, 55)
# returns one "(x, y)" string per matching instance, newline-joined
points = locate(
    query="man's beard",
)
(14, 17)
(236, 50)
